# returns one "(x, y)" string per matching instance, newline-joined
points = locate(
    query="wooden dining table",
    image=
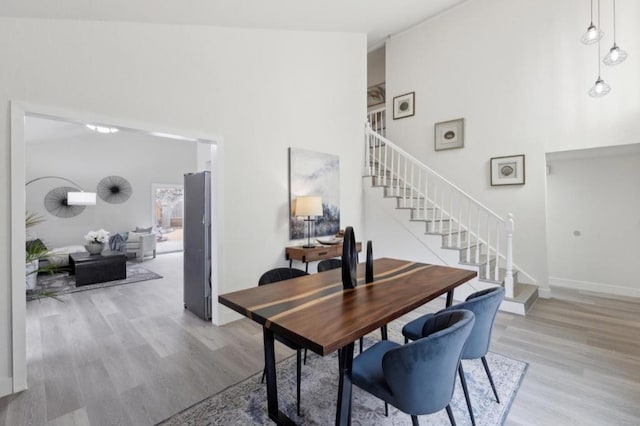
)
(315, 312)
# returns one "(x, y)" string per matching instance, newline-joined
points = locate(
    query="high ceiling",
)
(377, 18)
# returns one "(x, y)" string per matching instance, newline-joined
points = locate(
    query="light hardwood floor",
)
(132, 355)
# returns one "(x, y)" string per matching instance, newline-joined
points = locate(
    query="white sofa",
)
(141, 244)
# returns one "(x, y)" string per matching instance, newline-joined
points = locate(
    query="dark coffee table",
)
(98, 268)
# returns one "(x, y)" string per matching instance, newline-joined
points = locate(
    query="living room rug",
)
(245, 403)
(63, 283)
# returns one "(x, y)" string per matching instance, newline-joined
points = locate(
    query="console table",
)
(319, 252)
(98, 268)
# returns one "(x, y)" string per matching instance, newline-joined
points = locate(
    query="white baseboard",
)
(544, 292)
(594, 287)
(6, 386)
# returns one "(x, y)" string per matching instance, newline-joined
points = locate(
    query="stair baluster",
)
(487, 272)
(496, 274)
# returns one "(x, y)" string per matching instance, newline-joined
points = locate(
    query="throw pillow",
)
(143, 230)
(134, 237)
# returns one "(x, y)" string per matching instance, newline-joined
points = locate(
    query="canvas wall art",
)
(314, 174)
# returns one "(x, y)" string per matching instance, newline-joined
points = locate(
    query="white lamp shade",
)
(308, 206)
(81, 198)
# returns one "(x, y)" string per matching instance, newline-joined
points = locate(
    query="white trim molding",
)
(6, 386)
(617, 290)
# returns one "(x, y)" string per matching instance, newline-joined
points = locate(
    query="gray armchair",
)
(141, 244)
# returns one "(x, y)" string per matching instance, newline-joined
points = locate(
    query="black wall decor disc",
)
(114, 189)
(349, 260)
(56, 203)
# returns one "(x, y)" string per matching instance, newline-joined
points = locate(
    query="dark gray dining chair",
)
(484, 304)
(418, 377)
(270, 277)
(329, 264)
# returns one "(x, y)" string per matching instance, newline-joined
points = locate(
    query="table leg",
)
(272, 387)
(345, 362)
(449, 298)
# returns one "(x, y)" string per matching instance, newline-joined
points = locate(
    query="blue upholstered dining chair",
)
(273, 276)
(484, 304)
(327, 265)
(419, 377)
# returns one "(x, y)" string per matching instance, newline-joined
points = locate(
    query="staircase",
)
(455, 228)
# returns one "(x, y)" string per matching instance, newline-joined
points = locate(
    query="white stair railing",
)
(482, 236)
(376, 118)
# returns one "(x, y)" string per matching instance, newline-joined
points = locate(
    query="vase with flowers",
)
(96, 241)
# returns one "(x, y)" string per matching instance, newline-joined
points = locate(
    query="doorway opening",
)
(168, 211)
(208, 156)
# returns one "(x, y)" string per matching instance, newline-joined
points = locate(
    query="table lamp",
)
(308, 206)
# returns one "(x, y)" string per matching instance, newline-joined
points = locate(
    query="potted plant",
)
(35, 250)
(96, 241)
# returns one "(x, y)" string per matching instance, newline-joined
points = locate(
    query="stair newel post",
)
(496, 269)
(508, 279)
(487, 270)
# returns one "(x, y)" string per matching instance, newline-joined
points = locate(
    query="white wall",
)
(89, 157)
(376, 67)
(518, 74)
(262, 90)
(596, 197)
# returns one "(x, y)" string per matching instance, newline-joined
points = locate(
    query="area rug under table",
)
(63, 283)
(246, 402)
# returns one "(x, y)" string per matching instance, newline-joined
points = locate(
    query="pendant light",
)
(593, 34)
(615, 55)
(600, 87)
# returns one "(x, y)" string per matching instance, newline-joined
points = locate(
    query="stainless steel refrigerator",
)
(197, 243)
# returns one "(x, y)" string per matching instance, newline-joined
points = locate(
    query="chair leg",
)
(463, 381)
(305, 356)
(414, 420)
(383, 332)
(299, 373)
(264, 373)
(386, 409)
(361, 344)
(486, 368)
(450, 414)
(406, 340)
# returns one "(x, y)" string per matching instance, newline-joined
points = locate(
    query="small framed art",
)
(403, 105)
(449, 134)
(507, 170)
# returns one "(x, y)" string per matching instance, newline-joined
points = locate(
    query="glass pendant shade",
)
(599, 89)
(592, 35)
(615, 56)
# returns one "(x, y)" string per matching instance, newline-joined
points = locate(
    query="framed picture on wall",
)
(375, 95)
(449, 134)
(507, 170)
(403, 105)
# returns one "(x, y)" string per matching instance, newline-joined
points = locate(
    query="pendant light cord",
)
(614, 22)
(598, 39)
